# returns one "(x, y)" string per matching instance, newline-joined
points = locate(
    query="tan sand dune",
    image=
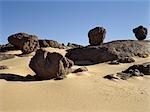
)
(80, 92)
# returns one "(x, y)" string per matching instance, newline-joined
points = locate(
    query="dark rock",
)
(25, 42)
(114, 62)
(143, 68)
(109, 51)
(140, 32)
(51, 43)
(7, 47)
(96, 35)
(48, 65)
(72, 45)
(126, 60)
(82, 69)
(6, 56)
(124, 76)
(3, 67)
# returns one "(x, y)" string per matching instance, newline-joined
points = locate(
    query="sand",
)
(80, 92)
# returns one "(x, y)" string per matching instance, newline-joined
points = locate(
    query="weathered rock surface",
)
(96, 35)
(140, 32)
(110, 51)
(6, 56)
(7, 47)
(25, 42)
(50, 43)
(48, 65)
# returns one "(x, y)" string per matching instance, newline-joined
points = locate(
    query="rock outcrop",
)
(48, 65)
(6, 56)
(50, 43)
(72, 45)
(135, 70)
(7, 47)
(25, 42)
(140, 32)
(96, 35)
(110, 51)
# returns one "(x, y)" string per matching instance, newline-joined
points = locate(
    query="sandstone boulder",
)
(48, 65)
(25, 42)
(96, 35)
(140, 32)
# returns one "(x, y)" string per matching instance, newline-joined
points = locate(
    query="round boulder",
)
(25, 42)
(140, 32)
(49, 65)
(96, 35)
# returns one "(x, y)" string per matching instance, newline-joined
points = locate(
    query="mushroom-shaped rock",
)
(49, 65)
(140, 32)
(25, 42)
(96, 35)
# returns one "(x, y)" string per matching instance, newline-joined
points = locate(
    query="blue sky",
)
(70, 20)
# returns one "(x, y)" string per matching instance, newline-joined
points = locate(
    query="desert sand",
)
(80, 92)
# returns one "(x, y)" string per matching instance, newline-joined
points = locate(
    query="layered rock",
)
(96, 35)
(25, 42)
(140, 32)
(48, 65)
(50, 43)
(110, 51)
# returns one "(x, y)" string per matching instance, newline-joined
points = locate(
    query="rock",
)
(25, 42)
(82, 69)
(96, 35)
(6, 56)
(3, 67)
(7, 47)
(72, 45)
(109, 51)
(51, 43)
(48, 65)
(114, 62)
(143, 68)
(126, 60)
(140, 32)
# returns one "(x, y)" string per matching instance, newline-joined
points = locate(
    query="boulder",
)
(50, 43)
(49, 65)
(96, 36)
(140, 32)
(25, 42)
(109, 51)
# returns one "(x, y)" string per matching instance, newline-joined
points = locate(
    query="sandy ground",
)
(80, 92)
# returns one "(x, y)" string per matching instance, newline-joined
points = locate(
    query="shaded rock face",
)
(140, 32)
(72, 45)
(96, 35)
(6, 56)
(50, 43)
(25, 42)
(7, 47)
(48, 65)
(110, 51)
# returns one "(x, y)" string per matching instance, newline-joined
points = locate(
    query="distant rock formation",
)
(110, 51)
(48, 65)
(7, 47)
(50, 43)
(140, 32)
(135, 70)
(72, 45)
(6, 56)
(96, 36)
(25, 42)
